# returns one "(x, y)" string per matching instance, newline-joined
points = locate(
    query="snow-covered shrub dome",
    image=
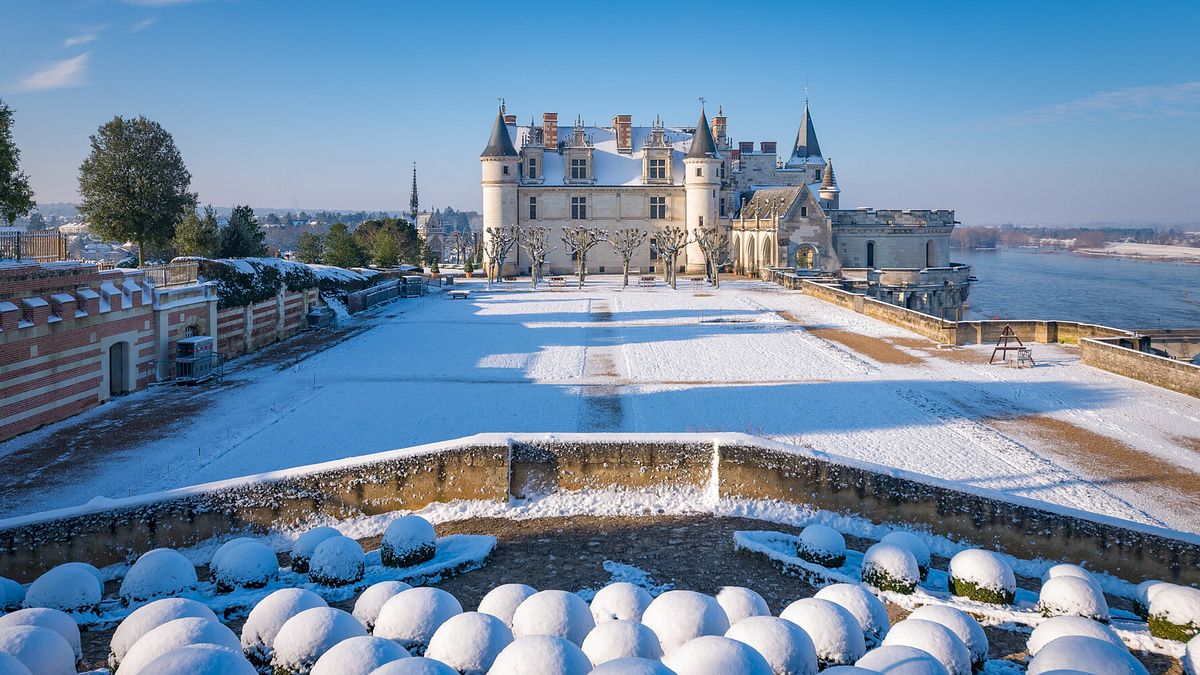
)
(337, 561)
(541, 655)
(40, 650)
(900, 660)
(172, 635)
(716, 655)
(412, 617)
(620, 639)
(203, 659)
(1191, 657)
(148, 617)
(1175, 613)
(415, 666)
(679, 616)
(1145, 591)
(68, 588)
(250, 564)
(554, 613)
(961, 624)
(1072, 596)
(55, 620)
(11, 665)
(306, 543)
(982, 576)
(866, 608)
(1068, 570)
(783, 644)
(269, 615)
(469, 642)
(915, 546)
(1061, 626)
(836, 634)
(889, 567)
(408, 540)
(1079, 654)
(228, 546)
(159, 573)
(740, 603)
(621, 601)
(366, 608)
(305, 637)
(822, 545)
(11, 595)
(86, 567)
(633, 666)
(939, 641)
(358, 656)
(502, 601)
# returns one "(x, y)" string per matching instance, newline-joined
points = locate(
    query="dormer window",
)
(532, 162)
(579, 169)
(817, 174)
(657, 169)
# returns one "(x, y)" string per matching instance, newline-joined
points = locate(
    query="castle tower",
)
(806, 150)
(829, 191)
(702, 184)
(499, 162)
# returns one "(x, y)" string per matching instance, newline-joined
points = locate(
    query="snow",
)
(306, 636)
(836, 634)
(158, 573)
(416, 666)
(12, 594)
(226, 547)
(913, 543)
(1178, 604)
(203, 659)
(1191, 657)
(984, 569)
(306, 543)
(890, 567)
(619, 639)
(961, 624)
(620, 601)
(558, 613)
(784, 645)
(1075, 596)
(740, 603)
(172, 635)
(541, 655)
(337, 561)
(863, 605)
(41, 650)
(57, 621)
(851, 670)
(411, 617)
(633, 666)
(469, 642)
(250, 564)
(716, 655)
(368, 604)
(11, 665)
(148, 617)
(68, 587)
(679, 616)
(936, 639)
(358, 656)
(1060, 626)
(901, 660)
(1147, 590)
(408, 540)
(1084, 654)
(502, 601)
(269, 615)
(822, 545)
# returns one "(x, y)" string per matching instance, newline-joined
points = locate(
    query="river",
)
(1047, 284)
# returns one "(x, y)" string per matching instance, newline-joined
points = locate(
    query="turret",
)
(806, 151)
(702, 185)
(829, 191)
(499, 161)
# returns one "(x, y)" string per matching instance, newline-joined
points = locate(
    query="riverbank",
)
(1146, 252)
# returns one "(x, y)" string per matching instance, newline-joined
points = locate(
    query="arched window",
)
(870, 254)
(930, 254)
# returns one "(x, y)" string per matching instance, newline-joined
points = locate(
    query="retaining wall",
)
(241, 330)
(1106, 354)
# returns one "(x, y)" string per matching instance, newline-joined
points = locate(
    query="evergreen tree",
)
(199, 235)
(242, 237)
(341, 248)
(310, 247)
(16, 197)
(384, 252)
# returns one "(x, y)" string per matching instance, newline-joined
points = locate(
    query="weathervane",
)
(701, 102)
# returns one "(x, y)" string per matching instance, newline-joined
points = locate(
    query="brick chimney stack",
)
(768, 147)
(510, 119)
(623, 125)
(718, 129)
(550, 131)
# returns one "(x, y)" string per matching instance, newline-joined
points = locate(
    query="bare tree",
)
(714, 244)
(533, 242)
(580, 239)
(626, 242)
(460, 244)
(498, 242)
(669, 242)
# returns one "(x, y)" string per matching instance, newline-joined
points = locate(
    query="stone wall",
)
(1160, 371)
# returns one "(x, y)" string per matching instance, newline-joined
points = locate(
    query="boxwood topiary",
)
(879, 578)
(1161, 628)
(970, 590)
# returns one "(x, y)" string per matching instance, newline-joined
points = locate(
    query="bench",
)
(697, 283)
(648, 281)
(508, 283)
(459, 294)
(1024, 358)
(558, 282)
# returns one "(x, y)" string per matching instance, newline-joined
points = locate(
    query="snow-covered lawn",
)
(741, 358)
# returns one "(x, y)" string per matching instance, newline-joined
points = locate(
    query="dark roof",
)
(806, 138)
(500, 144)
(703, 145)
(828, 182)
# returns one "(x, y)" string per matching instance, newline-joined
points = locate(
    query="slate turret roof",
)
(703, 145)
(500, 144)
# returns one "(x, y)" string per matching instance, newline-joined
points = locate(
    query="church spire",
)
(806, 140)
(413, 202)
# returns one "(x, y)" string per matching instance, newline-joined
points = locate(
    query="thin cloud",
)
(1131, 103)
(66, 73)
(142, 25)
(76, 40)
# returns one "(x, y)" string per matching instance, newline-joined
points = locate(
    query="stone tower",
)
(499, 161)
(702, 185)
(830, 192)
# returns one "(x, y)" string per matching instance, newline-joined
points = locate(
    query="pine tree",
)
(384, 252)
(199, 235)
(16, 197)
(341, 248)
(242, 237)
(310, 247)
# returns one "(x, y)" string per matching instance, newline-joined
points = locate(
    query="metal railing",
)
(33, 246)
(172, 274)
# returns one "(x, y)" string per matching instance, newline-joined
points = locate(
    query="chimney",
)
(550, 130)
(768, 147)
(623, 126)
(735, 155)
(718, 129)
(745, 147)
(510, 119)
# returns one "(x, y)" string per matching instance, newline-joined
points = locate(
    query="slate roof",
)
(499, 145)
(703, 145)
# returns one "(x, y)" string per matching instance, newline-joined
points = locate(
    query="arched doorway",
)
(806, 257)
(118, 369)
(751, 258)
(871, 254)
(768, 255)
(735, 251)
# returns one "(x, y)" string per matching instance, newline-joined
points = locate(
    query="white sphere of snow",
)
(1061, 626)
(784, 645)
(822, 545)
(889, 567)
(613, 640)
(1147, 590)
(366, 608)
(358, 656)
(42, 617)
(228, 546)
(740, 603)
(941, 643)
(913, 543)
(982, 575)
(148, 617)
(554, 613)
(308, 635)
(866, 608)
(11, 665)
(11, 594)
(469, 642)
(1191, 657)
(1068, 570)
(961, 624)
(159, 573)
(632, 666)
(68, 588)
(202, 659)
(679, 616)
(854, 670)
(337, 561)
(716, 655)
(172, 635)
(621, 601)
(414, 666)
(901, 660)
(41, 650)
(1072, 596)
(502, 601)
(412, 617)
(836, 634)
(269, 615)
(250, 564)
(86, 567)
(541, 655)
(308, 542)
(407, 541)
(1077, 653)
(1179, 605)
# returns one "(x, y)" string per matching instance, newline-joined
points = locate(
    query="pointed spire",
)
(703, 145)
(806, 138)
(829, 181)
(500, 144)
(413, 203)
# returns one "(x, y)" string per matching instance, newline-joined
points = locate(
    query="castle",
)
(778, 213)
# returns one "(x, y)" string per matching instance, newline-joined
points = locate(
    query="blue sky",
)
(1040, 112)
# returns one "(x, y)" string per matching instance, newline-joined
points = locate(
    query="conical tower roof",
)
(500, 144)
(703, 144)
(828, 182)
(806, 138)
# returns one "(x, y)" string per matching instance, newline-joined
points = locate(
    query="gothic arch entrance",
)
(806, 256)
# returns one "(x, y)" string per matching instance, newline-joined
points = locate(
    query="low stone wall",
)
(1106, 354)
(375, 295)
(837, 296)
(943, 332)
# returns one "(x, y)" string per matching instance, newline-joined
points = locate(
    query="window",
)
(653, 251)
(505, 169)
(533, 208)
(658, 169)
(532, 167)
(817, 175)
(871, 254)
(579, 169)
(722, 208)
(658, 208)
(701, 223)
(579, 208)
(930, 254)
(803, 211)
(699, 171)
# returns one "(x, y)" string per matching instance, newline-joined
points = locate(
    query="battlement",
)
(893, 217)
(37, 294)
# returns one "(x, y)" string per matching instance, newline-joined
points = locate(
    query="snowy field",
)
(750, 358)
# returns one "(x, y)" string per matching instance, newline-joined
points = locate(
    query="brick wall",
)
(241, 330)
